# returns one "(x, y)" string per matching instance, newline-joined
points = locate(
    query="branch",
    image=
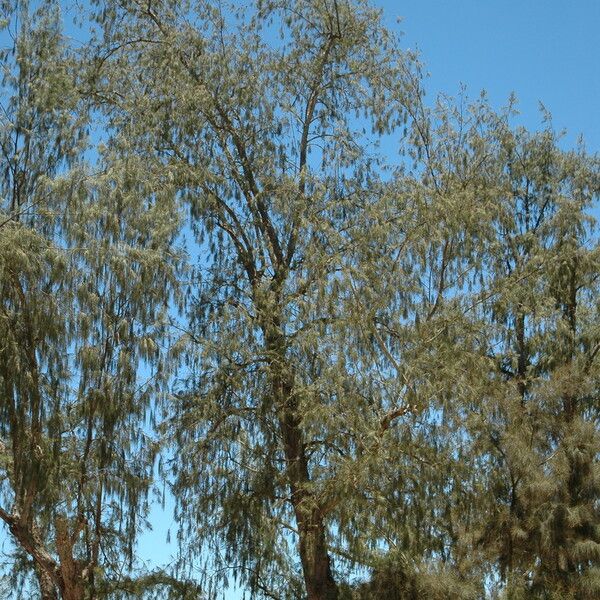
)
(304, 140)
(251, 191)
(28, 538)
(386, 420)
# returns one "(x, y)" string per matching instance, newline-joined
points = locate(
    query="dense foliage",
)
(357, 336)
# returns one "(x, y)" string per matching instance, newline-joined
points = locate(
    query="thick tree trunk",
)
(316, 563)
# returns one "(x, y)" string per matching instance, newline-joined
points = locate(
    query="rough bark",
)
(72, 584)
(48, 589)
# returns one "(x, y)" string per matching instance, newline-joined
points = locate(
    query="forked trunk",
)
(72, 580)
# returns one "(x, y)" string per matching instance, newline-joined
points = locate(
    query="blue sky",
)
(543, 50)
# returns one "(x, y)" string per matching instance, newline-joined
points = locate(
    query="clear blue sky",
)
(543, 50)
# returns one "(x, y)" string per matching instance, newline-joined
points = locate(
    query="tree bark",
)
(72, 584)
(62, 579)
(316, 563)
(48, 588)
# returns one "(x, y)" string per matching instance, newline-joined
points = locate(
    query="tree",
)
(537, 428)
(504, 345)
(373, 374)
(417, 305)
(323, 400)
(262, 140)
(86, 272)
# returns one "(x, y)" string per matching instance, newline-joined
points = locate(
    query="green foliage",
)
(371, 376)
(86, 273)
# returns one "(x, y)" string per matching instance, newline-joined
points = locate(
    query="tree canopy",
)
(361, 373)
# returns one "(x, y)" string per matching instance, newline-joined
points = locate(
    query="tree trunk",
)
(50, 573)
(62, 579)
(316, 563)
(72, 584)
